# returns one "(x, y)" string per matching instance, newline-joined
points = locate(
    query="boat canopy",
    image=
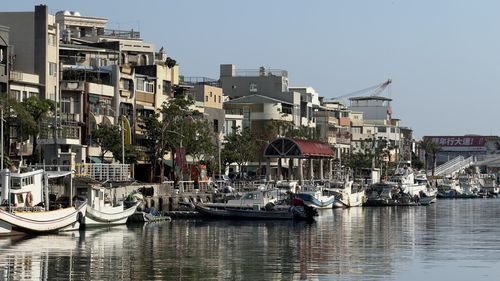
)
(58, 174)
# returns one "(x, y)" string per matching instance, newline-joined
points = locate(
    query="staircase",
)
(453, 166)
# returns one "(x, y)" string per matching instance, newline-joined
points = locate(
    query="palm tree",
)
(431, 148)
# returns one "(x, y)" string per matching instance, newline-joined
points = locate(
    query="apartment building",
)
(333, 125)
(34, 47)
(378, 123)
(4, 58)
(268, 88)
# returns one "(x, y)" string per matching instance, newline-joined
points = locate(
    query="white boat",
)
(24, 209)
(346, 197)
(316, 197)
(257, 199)
(101, 211)
(405, 188)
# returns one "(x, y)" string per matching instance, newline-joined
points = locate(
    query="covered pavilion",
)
(310, 150)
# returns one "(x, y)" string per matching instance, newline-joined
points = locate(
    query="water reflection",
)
(456, 238)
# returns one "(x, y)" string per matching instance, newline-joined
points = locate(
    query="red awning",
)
(312, 148)
(298, 148)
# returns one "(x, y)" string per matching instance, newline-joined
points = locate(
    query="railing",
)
(261, 72)
(96, 171)
(62, 132)
(454, 166)
(122, 33)
(200, 81)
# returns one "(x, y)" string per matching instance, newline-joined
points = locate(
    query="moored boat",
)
(101, 212)
(24, 209)
(298, 212)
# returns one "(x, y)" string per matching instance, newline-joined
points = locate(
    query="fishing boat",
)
(25, 204)
(346, 196)
(403, 189)
(297, 211)
(103, 212)
(259, 204)
(315, 197)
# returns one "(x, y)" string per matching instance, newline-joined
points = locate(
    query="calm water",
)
(450, 240)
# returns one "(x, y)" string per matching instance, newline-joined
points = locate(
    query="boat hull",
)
(233, 213)
(41, 221)
(95, 217)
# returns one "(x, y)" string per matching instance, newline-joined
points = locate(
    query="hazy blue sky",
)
(443, 56)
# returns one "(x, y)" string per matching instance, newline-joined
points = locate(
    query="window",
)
(66, 105)
(149, 87)
(140, 84)
(210, 94)
(52, 69)
(15, 94)
(219, 99)
(382, 129)
(216, 126)
(52, 40)
(356, 130)
(206, 98)
(126, 85)
(166, 87)
(215, 98)
(25, 95)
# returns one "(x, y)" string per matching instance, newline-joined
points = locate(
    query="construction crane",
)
(373, 91)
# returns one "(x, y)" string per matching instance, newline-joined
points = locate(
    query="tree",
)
(170, 62)
(108, 137)
(164, 131)
(39, 109)
(198, 140)
(21, 116)
(431, 149)
(240, 148)
(132, 155)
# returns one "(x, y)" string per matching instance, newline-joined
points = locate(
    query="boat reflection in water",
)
(455, 240)
(77, 255)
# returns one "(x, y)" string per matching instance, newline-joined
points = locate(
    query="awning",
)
(95, 159)
(297, 148)
(57, 174)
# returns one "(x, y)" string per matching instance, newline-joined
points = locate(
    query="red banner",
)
(180, 157)
(467, 141)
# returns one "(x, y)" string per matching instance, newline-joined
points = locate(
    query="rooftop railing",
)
(261, 72)
(122, 33)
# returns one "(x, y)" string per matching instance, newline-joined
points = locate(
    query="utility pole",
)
(1, 137)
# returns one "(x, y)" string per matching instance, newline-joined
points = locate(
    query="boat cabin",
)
(25, 189)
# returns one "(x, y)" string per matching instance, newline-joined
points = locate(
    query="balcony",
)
(127, 34)
(145, 97)
(64, 134)
(17, 76)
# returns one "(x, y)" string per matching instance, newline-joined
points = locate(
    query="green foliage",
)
(26, 116)
(170, 62)
(108, 137)
(166, 130)
(132, 155)
(431, 149)
(370, 154)
(198, 139)
(239, 148)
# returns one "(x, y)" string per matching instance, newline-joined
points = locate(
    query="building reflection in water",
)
(350, 244)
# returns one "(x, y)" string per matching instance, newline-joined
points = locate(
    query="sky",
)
(443, 56)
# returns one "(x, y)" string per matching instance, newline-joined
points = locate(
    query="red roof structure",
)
(298, 148)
